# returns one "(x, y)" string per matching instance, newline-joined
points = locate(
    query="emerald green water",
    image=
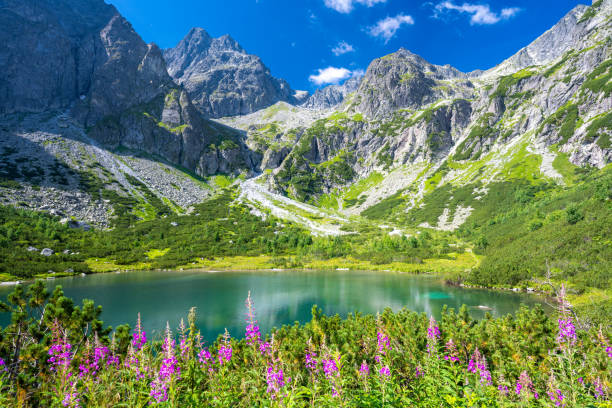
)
(280, 297)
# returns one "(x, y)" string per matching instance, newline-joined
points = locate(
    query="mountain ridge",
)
(221, 77)
(406, 122)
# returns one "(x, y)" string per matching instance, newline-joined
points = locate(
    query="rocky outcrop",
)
(332, 95)
(49, 51)
(404, 80)
(85, 57)
(221, 78)
(569, 33)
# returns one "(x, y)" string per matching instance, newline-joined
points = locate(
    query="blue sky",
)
(313, 42)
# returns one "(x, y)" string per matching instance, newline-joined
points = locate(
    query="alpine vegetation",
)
(57, 354)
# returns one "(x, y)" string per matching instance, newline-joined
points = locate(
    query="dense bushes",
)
(54, 353)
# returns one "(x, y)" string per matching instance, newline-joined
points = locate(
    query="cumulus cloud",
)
(346, 6)
(342, 48)
(480, 13)
(388, 27)
(330, 75)
(509, 12)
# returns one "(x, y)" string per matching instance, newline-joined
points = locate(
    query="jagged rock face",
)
(129, 72)
(408, 112)
(332, 95)
(569, 33)
(49, 50)
(221, 78)
(404, 80)
(85, 56)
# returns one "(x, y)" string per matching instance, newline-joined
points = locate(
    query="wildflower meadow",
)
(56, 354)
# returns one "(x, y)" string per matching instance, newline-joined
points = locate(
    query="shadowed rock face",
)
(221, 78)
(49, 50)
(84, 56)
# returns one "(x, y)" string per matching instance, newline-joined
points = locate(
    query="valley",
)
(408, 184)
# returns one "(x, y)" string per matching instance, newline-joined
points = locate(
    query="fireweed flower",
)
(275, 378)
(567, 332)
(478, 365)
(71, 399)
(265, 348)
(503, 389)
(133, 363)
(204, 357)
(311, 362)
(311, 358)
(433, 333)
(139, 337)
(524, 385)
(418, 372)
(598, 389)
(253, 335)
(384, 371)
(225, 351)
(3, 368)
(59, 351)
(451, 352)
(331, 369)
(364, 370)
(556, 396)
(383, 343)
(168, 370)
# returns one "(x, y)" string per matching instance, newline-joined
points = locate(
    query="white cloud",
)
(480, 13)
(342, 48)
(330, 75)
(388, 27)
(358, 73)
(510, 12)
(346, 6)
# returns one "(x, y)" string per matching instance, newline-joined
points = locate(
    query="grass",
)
(221, 181)
(361, 186)
(455, 263)
(566, 168)
(111, 265)
(523, 165)
(156, 253)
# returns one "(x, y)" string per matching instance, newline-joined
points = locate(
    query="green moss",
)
(506, 82)
(228, 144)
(566, 118)
(384, 158)
(358, 117)
(171, 97)
(566, 168)
(406, 77)
(551, 71)
(600, 128)
(175, 130)
(338, 169)
(590, 12)
(481, 131)
(600, 79)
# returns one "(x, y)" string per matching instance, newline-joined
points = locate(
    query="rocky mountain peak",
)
(332, 95)
(221, 77)
(572, 32)
(404, 80)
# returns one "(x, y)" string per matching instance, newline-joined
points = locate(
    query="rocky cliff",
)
(552, 96)
(85, 57)
(332, 95)
(221, 78)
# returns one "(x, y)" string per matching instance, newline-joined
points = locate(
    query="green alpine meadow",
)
(180, 227)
